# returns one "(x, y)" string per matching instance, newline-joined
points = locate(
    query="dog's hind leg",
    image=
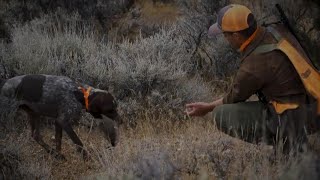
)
(35, 133)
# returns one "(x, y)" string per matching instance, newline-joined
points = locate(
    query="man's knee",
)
(220, 117)
(239, 120)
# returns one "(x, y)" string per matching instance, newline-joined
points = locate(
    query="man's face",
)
(234, 39)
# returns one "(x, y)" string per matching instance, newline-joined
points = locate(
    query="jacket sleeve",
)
(247, 82)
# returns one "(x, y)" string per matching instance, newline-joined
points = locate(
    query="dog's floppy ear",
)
(110, 129)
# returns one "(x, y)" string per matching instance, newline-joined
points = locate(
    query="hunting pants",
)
(255, 122)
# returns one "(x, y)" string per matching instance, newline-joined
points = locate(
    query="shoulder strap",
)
(268, 47)
(265, 48)
(275, 33)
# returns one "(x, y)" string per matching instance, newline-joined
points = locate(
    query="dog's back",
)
(44, 94)
(58, 88)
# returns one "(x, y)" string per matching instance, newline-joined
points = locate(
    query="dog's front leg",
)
(67, 114)
(67, 127)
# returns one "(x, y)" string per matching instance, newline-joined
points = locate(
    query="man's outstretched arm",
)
(202, 108)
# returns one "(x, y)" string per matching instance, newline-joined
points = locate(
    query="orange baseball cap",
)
(231, 18)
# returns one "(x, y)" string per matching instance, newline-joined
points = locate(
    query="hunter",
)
(285, 107)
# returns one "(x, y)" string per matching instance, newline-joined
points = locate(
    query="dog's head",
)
(103, 103)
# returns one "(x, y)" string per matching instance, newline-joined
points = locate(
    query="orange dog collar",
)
(86, 93)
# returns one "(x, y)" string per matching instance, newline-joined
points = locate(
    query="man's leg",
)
(243, 120)
(291, 135)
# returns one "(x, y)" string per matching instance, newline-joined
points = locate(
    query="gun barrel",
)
(285, 20)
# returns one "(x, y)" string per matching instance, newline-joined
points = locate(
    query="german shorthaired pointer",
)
(63, 99)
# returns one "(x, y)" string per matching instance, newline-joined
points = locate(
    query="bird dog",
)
(63, 99)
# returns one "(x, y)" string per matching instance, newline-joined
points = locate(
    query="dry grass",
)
(156, 148)
(159, 12)
(144, 19)
(189, 149)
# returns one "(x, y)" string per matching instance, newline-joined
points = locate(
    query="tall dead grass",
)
(195, 149)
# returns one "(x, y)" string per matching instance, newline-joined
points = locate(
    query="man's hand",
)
(198, 108)
(201, 108)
